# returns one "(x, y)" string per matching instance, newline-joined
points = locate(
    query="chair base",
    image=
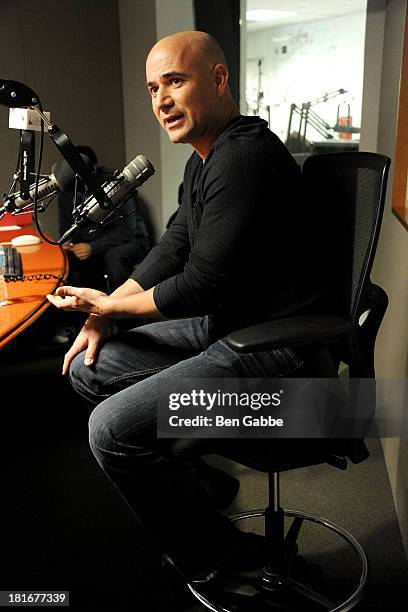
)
(263, 590)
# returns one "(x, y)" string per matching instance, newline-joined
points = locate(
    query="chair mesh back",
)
(345, 195)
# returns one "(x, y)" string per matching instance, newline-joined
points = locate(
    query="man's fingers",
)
(54, 299)
(91, 352)
(88, 359)
(68, 358)
(88, 340)
(65, 296)
(78, 346)
(66, 290)
(62, 302)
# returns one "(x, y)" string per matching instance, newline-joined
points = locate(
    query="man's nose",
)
(163, 100)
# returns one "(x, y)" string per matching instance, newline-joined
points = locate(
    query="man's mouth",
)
(173, 120)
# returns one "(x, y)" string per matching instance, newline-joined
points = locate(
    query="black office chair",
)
(345, 195)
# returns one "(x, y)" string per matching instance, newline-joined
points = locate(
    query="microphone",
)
(61, 178)
(118, 190)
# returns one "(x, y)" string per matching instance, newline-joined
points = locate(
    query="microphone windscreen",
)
(64, 174)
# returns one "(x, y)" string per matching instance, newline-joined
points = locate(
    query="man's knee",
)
(100, 438)
(84, 380)
(109, 437)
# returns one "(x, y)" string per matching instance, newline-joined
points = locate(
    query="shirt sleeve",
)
(169, 255)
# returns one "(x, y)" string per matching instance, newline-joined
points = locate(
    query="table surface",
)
(26, 299)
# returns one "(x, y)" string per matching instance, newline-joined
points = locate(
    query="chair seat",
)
(280, 455)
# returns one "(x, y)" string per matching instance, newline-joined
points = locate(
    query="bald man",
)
(226, 261)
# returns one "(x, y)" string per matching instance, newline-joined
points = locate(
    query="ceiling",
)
(306, 10)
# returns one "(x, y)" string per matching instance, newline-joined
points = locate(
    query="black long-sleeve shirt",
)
(231, 250)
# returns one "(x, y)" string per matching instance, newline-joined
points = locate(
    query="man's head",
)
(187, 79)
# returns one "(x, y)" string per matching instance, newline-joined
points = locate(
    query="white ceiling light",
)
(267, 14)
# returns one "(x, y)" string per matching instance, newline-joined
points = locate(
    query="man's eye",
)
(175, 81)
(153, 90)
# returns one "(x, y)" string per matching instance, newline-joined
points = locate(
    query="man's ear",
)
(221, 78)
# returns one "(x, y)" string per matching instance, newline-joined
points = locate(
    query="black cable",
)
(19, 155)
(37, 180)
(15, 175)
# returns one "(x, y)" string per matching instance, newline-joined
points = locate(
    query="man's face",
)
(183, 91)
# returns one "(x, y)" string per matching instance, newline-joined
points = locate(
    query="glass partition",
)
(304, 71)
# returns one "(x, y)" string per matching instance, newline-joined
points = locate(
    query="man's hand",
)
(89, 338)
(79, 299)
(82, 250)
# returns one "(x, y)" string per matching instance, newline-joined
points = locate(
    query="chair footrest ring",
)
(292, 585)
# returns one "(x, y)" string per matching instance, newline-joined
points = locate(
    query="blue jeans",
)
(152, 474)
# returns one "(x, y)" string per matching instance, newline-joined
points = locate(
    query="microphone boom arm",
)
(74, 159)
(103, 199)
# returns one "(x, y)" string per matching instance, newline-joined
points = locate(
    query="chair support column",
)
(274, 530)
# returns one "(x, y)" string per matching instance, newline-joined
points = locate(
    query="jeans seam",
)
(132, 374)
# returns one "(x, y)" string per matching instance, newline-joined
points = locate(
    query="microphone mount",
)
(103, 199)
(14, 94)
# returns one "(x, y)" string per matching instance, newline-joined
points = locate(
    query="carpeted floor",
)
(358, 499)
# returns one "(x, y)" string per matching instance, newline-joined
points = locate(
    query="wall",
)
(68, 52)
(373, 57)
(390, 267)
(138, 33)
(172, 17)
(142, 23)
(321, 56)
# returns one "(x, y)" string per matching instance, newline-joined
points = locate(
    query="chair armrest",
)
(287, 333)
(375, 303)
(375, 300)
